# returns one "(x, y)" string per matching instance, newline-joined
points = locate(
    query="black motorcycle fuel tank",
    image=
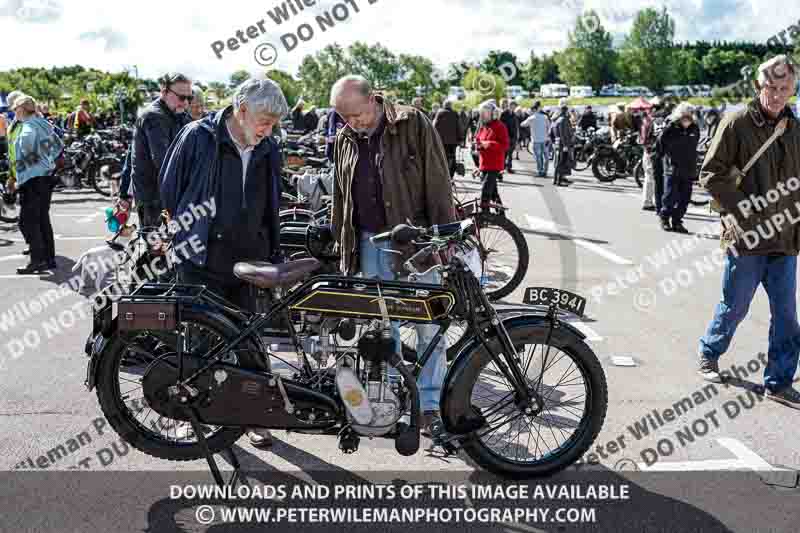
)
(352, 297)
(228, 395)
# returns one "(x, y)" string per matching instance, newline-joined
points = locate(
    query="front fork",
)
(508, 360)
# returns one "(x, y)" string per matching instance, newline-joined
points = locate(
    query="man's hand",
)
(11, 185)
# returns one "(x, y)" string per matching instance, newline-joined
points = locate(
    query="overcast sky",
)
(161, 35)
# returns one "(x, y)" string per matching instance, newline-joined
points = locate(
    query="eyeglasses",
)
(184, 97)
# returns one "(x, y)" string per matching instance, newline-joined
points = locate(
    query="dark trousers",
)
(677, 193)
(149, 214)
(450, 153)
(489, 191)
(34, 219)
(510, 154)
(658, 177)
(227, 286)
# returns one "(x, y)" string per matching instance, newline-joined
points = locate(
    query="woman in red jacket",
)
(492, 142)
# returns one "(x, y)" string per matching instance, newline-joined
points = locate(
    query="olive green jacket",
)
(414, 175)
(738, 138)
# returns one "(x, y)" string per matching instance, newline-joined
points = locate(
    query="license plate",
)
(568, 301)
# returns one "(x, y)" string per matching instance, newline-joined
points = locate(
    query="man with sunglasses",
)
(156, 127)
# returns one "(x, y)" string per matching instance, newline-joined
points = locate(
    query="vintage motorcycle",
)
(206, 374)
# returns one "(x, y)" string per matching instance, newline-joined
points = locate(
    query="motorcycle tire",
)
(135, 433)
(604, 168)
(583, 160)
(470, 367)
(491, 221)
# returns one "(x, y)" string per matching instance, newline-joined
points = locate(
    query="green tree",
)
(292, 88)
(415, 71)
(589, 57)
(481, 86)
(319, 72)
(687, 69)
(219, 89)
(504, 64)
(238, 77)
(647, 49)
(376, 63)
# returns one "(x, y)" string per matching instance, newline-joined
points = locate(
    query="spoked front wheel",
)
(569, 379)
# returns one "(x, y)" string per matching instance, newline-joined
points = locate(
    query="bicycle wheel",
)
(504, 253)
(9, 205)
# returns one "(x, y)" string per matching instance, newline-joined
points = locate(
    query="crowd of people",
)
(394, 163)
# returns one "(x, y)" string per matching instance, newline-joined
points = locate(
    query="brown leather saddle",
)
(267, 276)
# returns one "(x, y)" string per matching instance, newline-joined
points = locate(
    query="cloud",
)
(160, 36)
(113, 40)
(32, 11)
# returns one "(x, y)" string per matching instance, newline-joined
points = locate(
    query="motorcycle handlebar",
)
(404, 233)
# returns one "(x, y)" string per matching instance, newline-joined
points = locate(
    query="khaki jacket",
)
(414, 174)
(737, 139)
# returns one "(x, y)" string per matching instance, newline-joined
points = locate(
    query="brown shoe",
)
(429, 419)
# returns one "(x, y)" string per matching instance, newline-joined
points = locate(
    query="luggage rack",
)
(168, 295)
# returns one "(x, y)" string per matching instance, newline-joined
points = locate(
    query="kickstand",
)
(237, 476)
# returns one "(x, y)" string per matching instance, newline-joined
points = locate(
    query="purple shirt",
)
(368, 211)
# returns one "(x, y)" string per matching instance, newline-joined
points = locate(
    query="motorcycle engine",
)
(375, 399)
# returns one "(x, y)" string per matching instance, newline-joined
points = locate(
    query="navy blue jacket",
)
(187, 181)
(156, 128)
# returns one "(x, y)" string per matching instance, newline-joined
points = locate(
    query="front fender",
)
(454, 403)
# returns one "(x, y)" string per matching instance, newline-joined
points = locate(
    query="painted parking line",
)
(87, 238)
(599, 250)
(541, 224)
(90, 218)
(746, 459)
(20, 239)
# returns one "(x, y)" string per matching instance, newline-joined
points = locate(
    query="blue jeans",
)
(540, 151)
(378, 263)
(741, 278)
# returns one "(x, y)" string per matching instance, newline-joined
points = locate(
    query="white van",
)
(581, 91)
(554, 90)
(515, 92)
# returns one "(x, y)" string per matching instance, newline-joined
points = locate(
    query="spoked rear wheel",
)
(121, 395)
(572, 385)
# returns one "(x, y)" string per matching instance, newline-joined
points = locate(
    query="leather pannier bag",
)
(158, 316)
